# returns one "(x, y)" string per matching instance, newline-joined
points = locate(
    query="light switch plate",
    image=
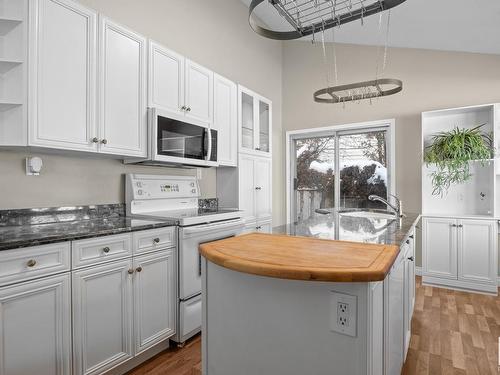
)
(343, 313)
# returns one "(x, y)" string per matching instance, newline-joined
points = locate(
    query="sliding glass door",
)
(339, 169)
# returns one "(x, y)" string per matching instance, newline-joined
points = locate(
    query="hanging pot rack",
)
(359, 91)
(310, 16)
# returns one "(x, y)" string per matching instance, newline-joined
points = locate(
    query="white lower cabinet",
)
(409, 288)
(154, 293)
(460, 253)
(394, 318)
(35, 331)
(102, 317)
(121, 309)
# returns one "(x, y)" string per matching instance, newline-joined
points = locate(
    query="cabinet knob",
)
(139, 269)
(106, 250)
(258, 188)
(95, 140)
(257, 148)
(460, 226)
(104, 141)
(130, 271)
(156, 240)
(183, 108)
(188, 109)
(411, 259)
(407, 242)
(31, 263)
(258, 227)
(453, 225)
(411, 236)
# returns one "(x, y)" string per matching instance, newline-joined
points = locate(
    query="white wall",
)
(213, 33)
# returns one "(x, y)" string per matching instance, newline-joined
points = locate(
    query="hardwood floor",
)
(452, 333)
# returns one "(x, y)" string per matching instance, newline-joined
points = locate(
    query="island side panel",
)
(261, 325)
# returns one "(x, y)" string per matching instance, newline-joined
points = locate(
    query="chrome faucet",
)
(397, 208)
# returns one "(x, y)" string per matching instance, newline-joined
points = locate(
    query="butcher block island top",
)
(302, 258)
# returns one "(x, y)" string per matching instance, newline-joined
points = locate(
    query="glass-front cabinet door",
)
(255, 123)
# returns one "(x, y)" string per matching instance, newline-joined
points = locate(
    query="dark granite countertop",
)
(340, 226)
(24, 228)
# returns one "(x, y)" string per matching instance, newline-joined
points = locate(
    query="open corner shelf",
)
(7, 24)
(8, 64)
(6, 105)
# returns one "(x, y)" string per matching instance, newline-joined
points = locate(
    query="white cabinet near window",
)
(154, 296)
(460, 253)
(248, 188)
(62, 85)
(122, 104)
(226, 120)
(439, 253)
(255, 123)
(180, 85)
(35, 334)
(477, 244)
(102, 317)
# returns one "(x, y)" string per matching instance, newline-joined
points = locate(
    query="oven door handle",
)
(199, 229)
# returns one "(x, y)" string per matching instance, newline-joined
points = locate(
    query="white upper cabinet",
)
(166, 78)
(62, 75)
(35, 333)
(122, 99)
(255, 123)
(180, 85)
(225, 120)
(199, 92)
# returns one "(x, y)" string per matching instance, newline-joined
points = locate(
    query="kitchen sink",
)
(369, 214)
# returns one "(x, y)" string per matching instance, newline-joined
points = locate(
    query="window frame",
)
(338, 130)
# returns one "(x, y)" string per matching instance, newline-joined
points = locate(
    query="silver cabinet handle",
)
(31, 263)
(95, 140)
(106, 249)
(104, 141)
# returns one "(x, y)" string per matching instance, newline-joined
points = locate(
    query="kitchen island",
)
(303, 302)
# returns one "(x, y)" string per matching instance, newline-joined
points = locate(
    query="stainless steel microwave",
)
(176, 140)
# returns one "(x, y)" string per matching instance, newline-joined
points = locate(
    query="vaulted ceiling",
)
(448, 25)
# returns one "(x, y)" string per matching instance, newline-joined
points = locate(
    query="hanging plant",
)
(452, 151)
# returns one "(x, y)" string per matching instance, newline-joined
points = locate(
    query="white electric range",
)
(176, 198)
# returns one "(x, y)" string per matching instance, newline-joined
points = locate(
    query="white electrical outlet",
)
(343, 313)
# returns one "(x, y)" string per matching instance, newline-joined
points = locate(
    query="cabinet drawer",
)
(32, 262)
(101, 249)
(154, 239)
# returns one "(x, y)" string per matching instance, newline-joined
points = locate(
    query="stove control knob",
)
(139, 192)
(192, 184)
(193, 191)
(139, 184)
